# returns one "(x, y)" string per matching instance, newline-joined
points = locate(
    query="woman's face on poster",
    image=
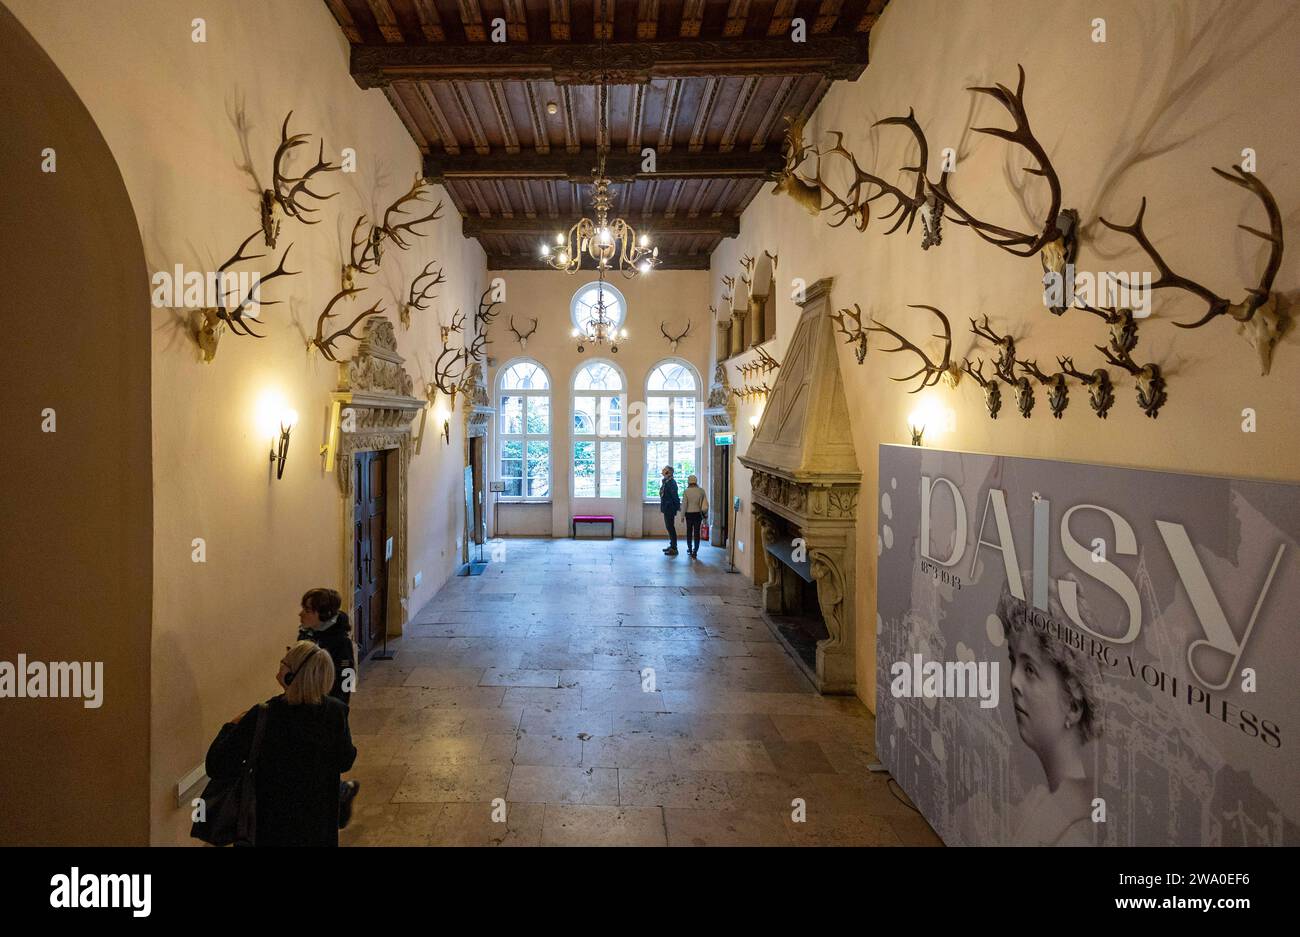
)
(1038, 694)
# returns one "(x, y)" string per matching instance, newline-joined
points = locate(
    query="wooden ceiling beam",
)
(655, 226)
(832, 57)
(530, 261)
(619, 166)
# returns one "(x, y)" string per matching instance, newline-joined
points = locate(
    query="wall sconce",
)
(753, 422)
(442, 415)
(929, 414)
(446, 432)
(280, 449)
(917, 432)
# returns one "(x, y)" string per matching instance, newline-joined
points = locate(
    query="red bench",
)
(593, 519)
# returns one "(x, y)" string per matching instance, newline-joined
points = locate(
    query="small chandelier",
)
(600, 328)
(609, 243)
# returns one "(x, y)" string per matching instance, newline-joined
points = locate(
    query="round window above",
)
(583, 309)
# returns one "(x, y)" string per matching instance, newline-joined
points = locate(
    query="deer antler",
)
(235, 317)
(855, 205)
(487, 311)
(287, 198)
(1005, 366)
(326, 342)
(1015, 242)
(930, 373)
(674, 339)
(807, 194)
(766, 361)
(523, 338)
(857, 334)
(421, 301)
(1031, 368)
(1218, 306)
(395, 231)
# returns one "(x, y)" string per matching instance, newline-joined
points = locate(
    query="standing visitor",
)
(304, 747)
(324, 623)
(695, 504)
(669, 505)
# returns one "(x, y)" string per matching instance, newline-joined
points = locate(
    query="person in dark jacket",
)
(669, 505)
(305, 746)
(324, 623)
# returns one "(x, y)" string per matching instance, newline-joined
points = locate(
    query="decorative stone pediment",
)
(375, 385)
(478, 405)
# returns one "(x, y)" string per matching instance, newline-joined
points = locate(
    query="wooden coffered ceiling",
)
(705, 83)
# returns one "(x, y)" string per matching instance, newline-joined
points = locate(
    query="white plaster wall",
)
(1115, 130)
(164, 104)
(667, 296)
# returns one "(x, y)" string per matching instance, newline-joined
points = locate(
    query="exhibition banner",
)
(1074, 654)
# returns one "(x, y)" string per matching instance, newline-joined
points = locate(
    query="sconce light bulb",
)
(546, 250)
(645, 266)
(559, 238)
(290, 419)
(564, 257)
(645, 240)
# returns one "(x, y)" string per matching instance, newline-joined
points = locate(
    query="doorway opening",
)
(372, 546)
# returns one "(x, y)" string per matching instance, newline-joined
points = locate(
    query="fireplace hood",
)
(804, 485)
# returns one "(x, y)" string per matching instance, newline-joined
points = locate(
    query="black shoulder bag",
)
(231, 803)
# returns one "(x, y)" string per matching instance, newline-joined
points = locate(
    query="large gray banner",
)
(1074, 654)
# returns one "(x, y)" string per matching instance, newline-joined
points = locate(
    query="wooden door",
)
(370, 532)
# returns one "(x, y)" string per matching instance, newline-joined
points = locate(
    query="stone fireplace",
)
(804, 488)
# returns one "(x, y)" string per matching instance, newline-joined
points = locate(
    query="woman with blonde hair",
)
(305, 746)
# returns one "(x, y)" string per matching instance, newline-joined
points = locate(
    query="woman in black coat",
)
(305, 746)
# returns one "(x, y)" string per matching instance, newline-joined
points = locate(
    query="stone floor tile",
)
(496, 676)
(547, 784)
(735, 827)
(671, 787)
(473, 824)
(453, 782)
(582, 825)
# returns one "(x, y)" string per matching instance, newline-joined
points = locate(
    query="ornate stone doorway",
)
(373, 410)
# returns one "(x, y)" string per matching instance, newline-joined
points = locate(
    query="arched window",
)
(583, 307)
(524, 433)
(597, 431)
(672, 399)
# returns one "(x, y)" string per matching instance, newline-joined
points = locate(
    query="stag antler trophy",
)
(930, 372)
(857, 335)
(457, 325)
(1257, 315)
(368, 249)
(1056, 235)
(209, 323)
(1004, 367)
(419, 295)
(1151, 395)
(805, 193)
(1058, 393)
(674, 339)
(325, 343)
(283, 196)
(992, 385)
(1101, 392)
(522, 337)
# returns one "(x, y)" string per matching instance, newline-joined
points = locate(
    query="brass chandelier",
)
(609, 243)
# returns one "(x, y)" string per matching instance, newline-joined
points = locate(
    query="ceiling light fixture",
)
(609, 243)
(600, 327)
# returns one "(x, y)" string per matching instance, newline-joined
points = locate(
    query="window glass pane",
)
(512, 468)
(683, 461)
(656, 416)
(598, 376)
(611, 416)
(539, 415)
(584, 470)
(512, 414)
(584, 304)
(684, 416)
(512, 449)
(656, 457)
(584, 414)
(539, 469)
(514, 487)
(524, 376)
(611, 469)
(671, 376)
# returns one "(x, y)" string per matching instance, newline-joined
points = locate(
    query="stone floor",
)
(525, 684)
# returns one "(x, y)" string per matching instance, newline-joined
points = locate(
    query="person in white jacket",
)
(695, 505)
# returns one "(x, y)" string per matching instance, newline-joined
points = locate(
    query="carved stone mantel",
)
(806, 479)
(376, 412)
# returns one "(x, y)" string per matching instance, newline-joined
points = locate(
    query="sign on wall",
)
(1072, 654)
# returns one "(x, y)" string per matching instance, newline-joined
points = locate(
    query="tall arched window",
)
(597, 431)
(672, 398)
(524, 433)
